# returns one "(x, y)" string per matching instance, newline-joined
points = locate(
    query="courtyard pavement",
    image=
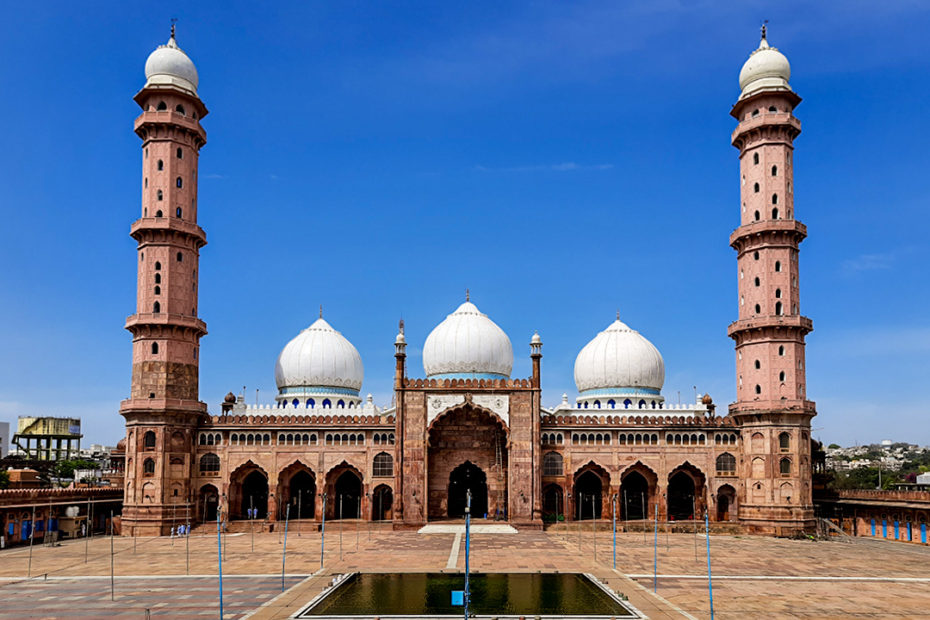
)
(752, 576)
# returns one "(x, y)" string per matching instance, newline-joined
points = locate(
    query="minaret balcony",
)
(159, 406)
(790, 321)
(744, 235)
(166, 320)
(769, 407)
(146, 224)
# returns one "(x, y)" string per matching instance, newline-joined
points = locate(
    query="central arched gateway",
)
(468, 448)
(464, 478)
(248, 488)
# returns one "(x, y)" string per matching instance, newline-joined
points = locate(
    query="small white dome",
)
(767, 68)
(169, 65)
(319, 357)
(619, 361)
(467, 344)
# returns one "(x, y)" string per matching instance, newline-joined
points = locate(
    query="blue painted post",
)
(923, 533)
(287, 514)
(710, 586)
(219, 551)
(613, 511)
(655, 550)
(467, 548)
(873, 527)
(323, 530)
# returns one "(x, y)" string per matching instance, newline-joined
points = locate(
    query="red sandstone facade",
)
(412, 463)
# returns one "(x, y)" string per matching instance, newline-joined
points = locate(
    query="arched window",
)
(774, 198)
(162, 106)
(784, 442)
(755, 255)
(160, 165)
(642, 404)
(755, 158)
(383, 465)
(755, 188)
(178, 212)
(158, 290)
(148, 440)
(159, 196)
(756, 215)
(340, 404)
(156, 307)
(552, 464)
(778, 308)
(179, 109)
(148, 467)
(781, 350)
(758, 389)
(327, 403)
(784, 467)
(295, 403)
(179, 182)
(781, 376)
(758, 364)
(180, 153)
(597, 404)
(773, 109)
(180, 257)
(777, 266)
(758, 309)
(612, 403)
(757, 281)
(209, 463)
(775, 213)
(157, 278)
(726, 464)
(778, 293)
(311, 403)
(774, 171)
(626, 403)
(157, 266)
(145, 183)
(154, 348)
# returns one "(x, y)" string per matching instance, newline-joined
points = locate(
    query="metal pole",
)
(32, 537)
(340, 526)
(88, 532)
(613, 511)
(219, 551)
(710, 587)
(287, 514)
(187, 537)
(655, 550)
(467, 548)
(323, 531)
(112, 568)
(594, 523)
(300, 494)
(643, 500)
(252, 522)
(580, 502)
(694, 517)
(357, 523)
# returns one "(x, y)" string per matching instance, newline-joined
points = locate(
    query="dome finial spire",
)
(467, 295)
(321, 311)
(174, 20)
(401, 326)
(618, 314)
(764, 28)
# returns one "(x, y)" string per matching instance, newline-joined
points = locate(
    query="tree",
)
(4, 479)
(833, 446)
(65, 468)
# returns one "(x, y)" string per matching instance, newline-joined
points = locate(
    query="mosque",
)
(464, 423)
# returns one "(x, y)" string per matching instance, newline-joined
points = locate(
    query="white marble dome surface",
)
(765, 68)
(467, 344)
(619, 360)
(319, 357)
(169, 65)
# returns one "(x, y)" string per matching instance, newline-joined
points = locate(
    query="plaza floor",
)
(752, 576)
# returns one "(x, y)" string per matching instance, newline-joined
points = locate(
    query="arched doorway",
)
(476, 435)
(589, 492)
(254, 495)
(209, 501)
(680, 497)
(468, 477)
(634, 496)
(302, 495)
(348, 495)
(726, 500)
(553, 505)
(382, 503)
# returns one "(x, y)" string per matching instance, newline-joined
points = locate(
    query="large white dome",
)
(467, 344)
(619, 361)
(767, 68)
(319, 357)
(169, 65)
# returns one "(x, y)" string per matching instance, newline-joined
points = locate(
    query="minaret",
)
(164, 408)
(771, 405)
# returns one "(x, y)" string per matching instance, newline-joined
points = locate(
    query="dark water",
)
(493, 593)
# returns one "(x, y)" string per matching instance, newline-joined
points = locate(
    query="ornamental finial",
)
(618, 314)
(401, 326)
(321, 311)
(467, 295)
(173, 22)
(764, 28)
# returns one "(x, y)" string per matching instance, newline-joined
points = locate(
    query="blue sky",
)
(561, 160)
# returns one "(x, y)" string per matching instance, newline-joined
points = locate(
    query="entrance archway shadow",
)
(463, 478)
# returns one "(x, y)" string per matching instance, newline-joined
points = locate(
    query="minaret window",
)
(755, 158)
(781, 350)
(158, 213)
(775, 213)
(778, 308)
(157, 278)
(755, 188)
(755, 113)
(180, 183)
(758, 389)
(178, 212)
(162, 106)
(148, 440)
(180, 257)
(757, 216)
(157, 266)
(145, 183)
(755, 255)
(161, 165)
(774, 196)
(774, 168)
(784, 467)
(758, 309)
(179, 109)
(758, 365)
(773, 109)
(158, 290)
(154, 348)
(148, 467)
(778, 293)
(758, 282)
(781, 376)
(180, 153)
(156, 308)
(777, 266)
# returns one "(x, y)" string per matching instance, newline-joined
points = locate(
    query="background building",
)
(48, 438)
